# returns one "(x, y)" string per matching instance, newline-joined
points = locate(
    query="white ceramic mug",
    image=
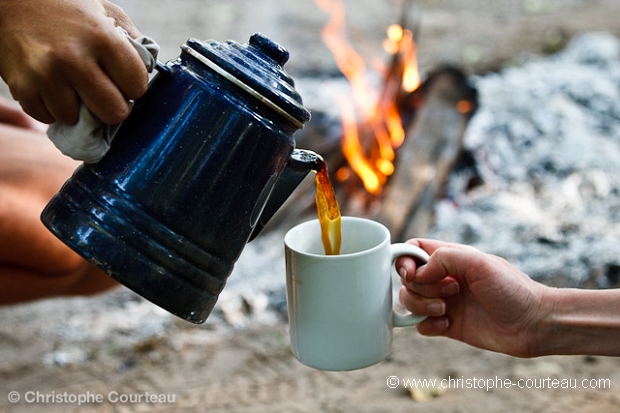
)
(340, 306)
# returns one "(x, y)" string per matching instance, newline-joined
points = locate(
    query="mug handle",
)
(397, 250)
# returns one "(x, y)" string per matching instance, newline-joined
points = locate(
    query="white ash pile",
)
(546, 143)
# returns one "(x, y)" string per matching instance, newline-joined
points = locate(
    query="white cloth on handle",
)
(89, 139)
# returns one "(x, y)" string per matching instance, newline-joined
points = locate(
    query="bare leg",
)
(33, 263)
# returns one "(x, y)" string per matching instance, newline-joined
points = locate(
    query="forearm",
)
(579, 321)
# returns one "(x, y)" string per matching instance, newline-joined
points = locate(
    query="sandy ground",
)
(252, 370)
(116, 351)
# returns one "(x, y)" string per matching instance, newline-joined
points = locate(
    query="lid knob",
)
(269, 48)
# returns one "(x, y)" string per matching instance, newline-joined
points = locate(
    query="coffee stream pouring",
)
(204, 160)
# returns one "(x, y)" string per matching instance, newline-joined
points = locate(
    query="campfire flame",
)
(369, 111)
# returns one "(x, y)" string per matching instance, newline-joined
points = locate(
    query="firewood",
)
(426, 158)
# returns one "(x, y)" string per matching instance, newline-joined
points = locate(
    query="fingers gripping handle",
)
(398, 250)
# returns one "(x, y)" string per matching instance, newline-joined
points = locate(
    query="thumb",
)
(445, 261)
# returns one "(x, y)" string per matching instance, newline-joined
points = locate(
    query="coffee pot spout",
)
(301, 162)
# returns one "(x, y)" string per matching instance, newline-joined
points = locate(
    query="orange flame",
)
(402, 43)
(378, 111)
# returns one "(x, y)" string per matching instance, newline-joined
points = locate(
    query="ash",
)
(546, 144)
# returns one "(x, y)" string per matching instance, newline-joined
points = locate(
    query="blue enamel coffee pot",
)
(203, 161)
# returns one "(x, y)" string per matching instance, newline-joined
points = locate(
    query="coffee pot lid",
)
(257, 68)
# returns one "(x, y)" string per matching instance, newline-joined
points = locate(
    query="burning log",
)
(427, 156)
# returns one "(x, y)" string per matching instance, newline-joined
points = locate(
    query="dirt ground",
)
(252, 370)
(119, 349)
(119, 353)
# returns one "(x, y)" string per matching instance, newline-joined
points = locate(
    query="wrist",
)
(577, 321)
